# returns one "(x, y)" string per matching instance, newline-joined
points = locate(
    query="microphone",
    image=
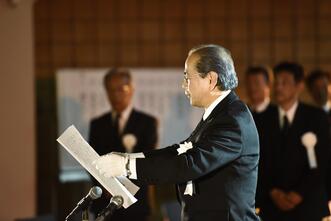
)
(115, 202)
(94, 193)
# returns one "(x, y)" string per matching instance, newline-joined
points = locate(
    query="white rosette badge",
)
(309, 140)
(129, 142)
(182, 149)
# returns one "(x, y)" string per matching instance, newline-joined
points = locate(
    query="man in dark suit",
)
(257, 82)
(215, 168)
(317, 83)
(124, 129)
(298, 140)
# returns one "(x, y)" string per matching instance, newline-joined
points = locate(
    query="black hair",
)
(315, 75)
(255, 70)
(218, 59)
(125, 73)
(295, 69)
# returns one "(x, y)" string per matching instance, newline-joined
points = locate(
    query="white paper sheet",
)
(75, 144)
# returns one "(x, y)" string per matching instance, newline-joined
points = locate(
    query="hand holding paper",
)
(112, 165)
(75, 144)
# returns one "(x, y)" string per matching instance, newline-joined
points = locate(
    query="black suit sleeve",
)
(219, 145)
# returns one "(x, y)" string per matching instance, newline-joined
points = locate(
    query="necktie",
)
(286, 126)
(117, 125)
(116, 137)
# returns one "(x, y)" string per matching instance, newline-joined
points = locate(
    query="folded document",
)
(75, 144)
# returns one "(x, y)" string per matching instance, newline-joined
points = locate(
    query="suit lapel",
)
(132, 121)
(195, 131)
(296, 125)
(222, 105)
(219, 108)
(277, 131)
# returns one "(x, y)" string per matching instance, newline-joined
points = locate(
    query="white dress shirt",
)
(211, 107)
(123, 118)
(290, 113)
(262, 106)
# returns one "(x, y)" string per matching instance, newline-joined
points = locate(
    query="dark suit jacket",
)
(223, 165)
(102, 139)
(288, 167)
(328, 182)
(260, 121)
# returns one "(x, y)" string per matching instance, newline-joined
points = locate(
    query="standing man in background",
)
(317, 83)
(215, 168)
(258, 80)
(124, 129)
(298, 140)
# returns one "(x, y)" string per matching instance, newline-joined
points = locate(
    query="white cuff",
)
(132, 167)
(136, 155)
(189, 188)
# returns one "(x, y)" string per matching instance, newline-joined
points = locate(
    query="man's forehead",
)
(190, 63)
(118, 78)
(284, 74)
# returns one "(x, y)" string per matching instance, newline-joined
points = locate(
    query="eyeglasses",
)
(186, 78)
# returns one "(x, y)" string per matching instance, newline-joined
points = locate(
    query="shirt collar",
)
(262, 106)
(211, 107)
(289, 114)
(125, 114)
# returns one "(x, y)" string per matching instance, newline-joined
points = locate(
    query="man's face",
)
(196, 88)
(257, 88)
(319, 91)
(119, 92)
(285, 88)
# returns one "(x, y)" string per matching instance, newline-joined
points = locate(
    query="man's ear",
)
(213, 78)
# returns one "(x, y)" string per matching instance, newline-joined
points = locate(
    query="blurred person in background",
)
(123, 129)
(298, 139)
(257, 82)
(318, 82)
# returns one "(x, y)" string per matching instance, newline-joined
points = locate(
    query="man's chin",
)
(195, 104)
(192, 102)
(279, 100)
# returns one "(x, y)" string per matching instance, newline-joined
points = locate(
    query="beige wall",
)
(17, 127)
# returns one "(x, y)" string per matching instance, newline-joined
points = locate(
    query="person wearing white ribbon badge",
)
(318, 84)
(123, 129)
(215, 168)
(297, 147)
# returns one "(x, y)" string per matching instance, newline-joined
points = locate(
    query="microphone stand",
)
(116, 202)
(83, 205)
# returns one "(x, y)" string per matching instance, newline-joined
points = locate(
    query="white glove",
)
(111, 165)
